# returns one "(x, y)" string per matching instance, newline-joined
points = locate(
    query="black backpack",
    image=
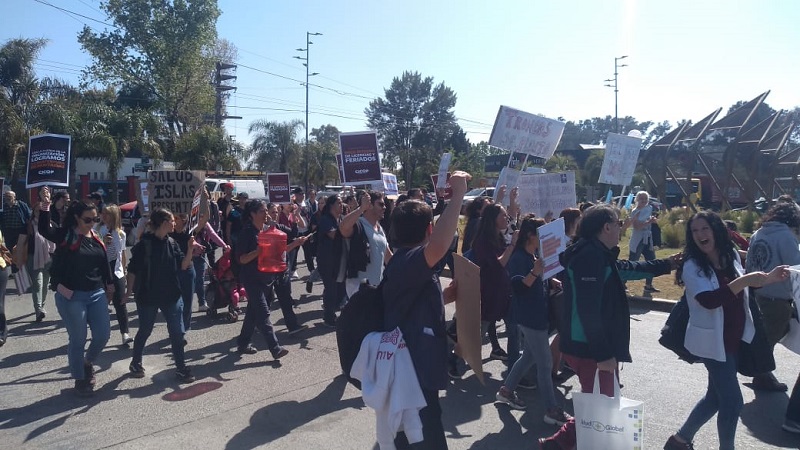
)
(363, 314)
(673, 335)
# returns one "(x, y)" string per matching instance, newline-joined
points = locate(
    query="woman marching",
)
(719, 319)
(82, 278)
(156, 262)
(114, 238)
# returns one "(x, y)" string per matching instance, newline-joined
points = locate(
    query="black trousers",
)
(432, 428)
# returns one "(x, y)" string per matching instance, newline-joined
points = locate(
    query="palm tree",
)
(274, 142)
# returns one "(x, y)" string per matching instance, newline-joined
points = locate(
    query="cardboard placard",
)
(468, 312)
(173, 189)
(544, 193)
(619, 161)
(518, 131)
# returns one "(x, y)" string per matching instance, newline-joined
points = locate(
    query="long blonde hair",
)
(114, 218)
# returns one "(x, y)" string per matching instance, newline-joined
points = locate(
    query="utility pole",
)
(616, 89)
(221, 89)
(307, 157)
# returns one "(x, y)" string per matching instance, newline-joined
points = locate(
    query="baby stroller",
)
(223, 290)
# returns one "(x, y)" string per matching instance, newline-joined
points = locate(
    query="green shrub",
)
(673, 235)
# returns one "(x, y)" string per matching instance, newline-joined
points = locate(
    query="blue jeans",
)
(723, 397)
(40, 281)
(199, 272)
(173, 315)
(649, 255)
(186, 280)
(84, 308)
(536, 351)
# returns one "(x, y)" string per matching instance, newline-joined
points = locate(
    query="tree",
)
(208, 147)
(561, 163)
(322, 150)
(414, 122)
(274, 146)
(164, 47)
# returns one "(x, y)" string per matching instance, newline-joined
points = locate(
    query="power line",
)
(73, 12)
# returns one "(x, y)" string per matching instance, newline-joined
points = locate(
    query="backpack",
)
(363, 314)
(673, 335)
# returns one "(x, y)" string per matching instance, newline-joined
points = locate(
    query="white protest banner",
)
(143, 196)
(390, 184)
(48, 160)
(518, 131)
(508, 177)
(620, 158)
(173, 189)
(546, 193)
(444, 164)
(551, 243)
(448, 191)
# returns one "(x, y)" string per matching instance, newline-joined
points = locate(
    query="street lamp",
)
(306, 63)
(616, 89)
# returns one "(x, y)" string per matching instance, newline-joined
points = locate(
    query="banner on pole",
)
(48, 160)
(620, 158)
(546, 193)
(508, 177)
(278, 187)
(518, 131)
(173, 189)
(360, 158)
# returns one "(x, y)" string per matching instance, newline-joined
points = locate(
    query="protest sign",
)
(552, 242)
(510, 178)
(390, 184)
(360, 159)
(173, 189)
(143, 197)
(444, 164)
(518, 131)
(468, 311)
(448, 191)
(48, 160)
(278, 187)
(339, 166)
(620, 158)
(194, 216)
(546, 193)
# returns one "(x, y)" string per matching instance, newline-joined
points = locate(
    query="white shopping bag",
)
(607, 423)
(22, 280)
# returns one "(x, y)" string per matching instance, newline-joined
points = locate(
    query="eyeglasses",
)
(88, 220)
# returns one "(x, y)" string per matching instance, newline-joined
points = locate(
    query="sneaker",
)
(88, 373)
(526, 384)
(504, 395)
(674, 444)
(297, 330)
(203, 308)
(651, 289)
(548, 444)
(40, 316)
(556, 416)
(295, 276)
(136, 369)
(791, 426)
(498, 354)
(309, 286)
(126, 339)
(185, 375)
(248, 349)
(279, 353)
(2, 341)
(83, 388)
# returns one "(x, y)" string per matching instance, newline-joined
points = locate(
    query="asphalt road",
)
(252, 402)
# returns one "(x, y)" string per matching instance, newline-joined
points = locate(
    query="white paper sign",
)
(444, 164)
(508, 177)
(389, 184)
(543, 193)
(521, 132)
(551, 244)
(619, 162)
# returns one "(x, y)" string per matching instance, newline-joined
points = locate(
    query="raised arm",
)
(446, 226)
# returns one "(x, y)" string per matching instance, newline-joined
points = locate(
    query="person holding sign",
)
(83, 284)
(529, 304)
(641, 242)
(597, 330)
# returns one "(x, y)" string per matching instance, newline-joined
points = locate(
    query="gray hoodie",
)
(772, 245)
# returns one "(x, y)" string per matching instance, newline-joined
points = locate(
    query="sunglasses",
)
(88, 220)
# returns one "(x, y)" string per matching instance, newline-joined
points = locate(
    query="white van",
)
(253, 187)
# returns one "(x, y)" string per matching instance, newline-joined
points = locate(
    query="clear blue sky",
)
(685, 57)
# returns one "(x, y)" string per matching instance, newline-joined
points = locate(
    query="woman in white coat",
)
(720, 318)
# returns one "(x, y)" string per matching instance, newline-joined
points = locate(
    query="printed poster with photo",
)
(48, 160)
(279, 188)
(518, 131)
(360, 158)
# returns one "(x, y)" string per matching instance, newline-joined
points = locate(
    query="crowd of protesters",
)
(574, 323)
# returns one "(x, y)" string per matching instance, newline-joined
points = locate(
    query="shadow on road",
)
(277, 420)
(764, 416)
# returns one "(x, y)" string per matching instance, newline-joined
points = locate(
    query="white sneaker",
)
(203, 308)
(126, 339)
(295, 276)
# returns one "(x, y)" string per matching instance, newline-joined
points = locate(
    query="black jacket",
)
(596, 314)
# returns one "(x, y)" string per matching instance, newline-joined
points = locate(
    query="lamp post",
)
(617, 66)
(306, 59)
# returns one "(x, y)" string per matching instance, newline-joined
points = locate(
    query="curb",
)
(651, 303)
